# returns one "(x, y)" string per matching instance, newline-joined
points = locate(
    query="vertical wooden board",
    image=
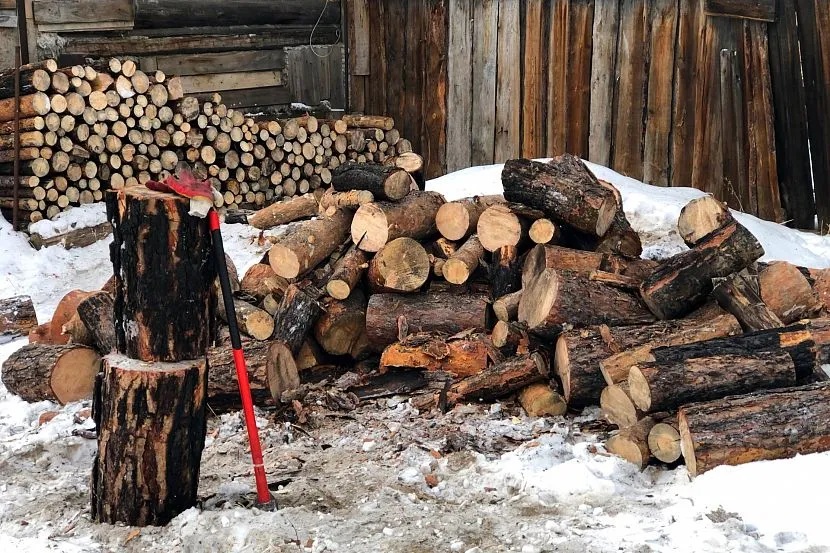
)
(629, 102)
(357, 83)
(557, 112)
(459, 84)
(603, 67)
(376, 93)
(763, 10)
(508, 82)
(434, 99)
(394, 42)
(580, 35)
(733, 137)
(360, 24)
(533, 90)
(789, 103)
(413, 73)
(656, 153)
(814, 35)
(309, 74)
(683, 120)
(485, 40)
(763, 173)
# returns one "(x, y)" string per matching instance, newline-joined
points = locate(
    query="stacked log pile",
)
(107, 125)
(465, 301)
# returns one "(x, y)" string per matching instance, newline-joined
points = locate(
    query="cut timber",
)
(295, 317)
(261, 281)
(283, 374)
(377, 223)
(543, 257)
(97, 312)
(664, 441)
(77, 331)
(152, 479)
(738, 296)
(17, 317)
(385, 183)
(300, 207)
(61, 373)
(457, 220)
(402, 265)
(505, 272)
(391, 315)
(461, 264)
(617, 406)
(347, 273)
(510, 337)
(64, 312)
(621, 238)
(341, 329)
(31, 105)
(540, 400)
(459, 356)
(369, 122)
(787, 292)
(564, 189)
(500, 380)
(754, 427)
(223, 387)
(297, 252)
(499, 226)
(351, 199)
(556, 298)
(165, 270)
(701, 217)
(682, 283)
(506, 308)
(632, 443)
(252, 321)
(659, 386)
(543, 231)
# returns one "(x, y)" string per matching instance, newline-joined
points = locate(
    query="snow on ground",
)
(357, 481)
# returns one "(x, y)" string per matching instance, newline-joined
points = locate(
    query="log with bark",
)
(462, 355)
(17, 317)
(701, 217)
(295, 317)
(461, 264)
(223, 387)
(787, 292)
(280, 213)
(97, 313)
(631, 443)
(66, 309)
(459, 219)
(402, 265)
(737, 294)
(260, 281)
(617, 407)
(377, 223)
(300, 250)
(543, 257)
(384, 182)
(60, 373)
(540, 400)
(347, 273)
(506, 308)
(252, 321)
(341, 329)
(543, 231)
(505, 272)
(500, 380)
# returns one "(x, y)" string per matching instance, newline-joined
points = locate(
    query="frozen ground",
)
(360, 482)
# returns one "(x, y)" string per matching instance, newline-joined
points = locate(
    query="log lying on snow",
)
(540, 400)
(564, 189)
(500, 380)
(402, 265)
(384, 182)
(280, 213)
(737, 295)
(460, 356)
(389, 316)
(556, 298)
(766, 425)
(787, 292)
(61, 373)
(701, 217)
(377, 223)
(17, 317)
(457, 220)
(301, 249)
(682, 283)
(631, 443)
(662, 385)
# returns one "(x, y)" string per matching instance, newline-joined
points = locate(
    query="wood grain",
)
(459, 84)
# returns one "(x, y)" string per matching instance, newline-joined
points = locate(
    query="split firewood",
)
(254, 322)
(664, 441)
(701, 217)
(461, 264)
(737, 295)
(499, 226)
(540, 400)
(500, 380)
(506, 308)
(384, 182)
(60, 373)
(377, 223)
(459, 219)
(260, 281)
(300, 250)
(295, 317)
(505, 272)
(617, 407)
(564, 189)
(766, 425)
(341, 329)
(402, 265)
(280, 213)
(787, 292)
(631, 443)
(17, 317)
(461, 356)
(683, 282)
(347, 273)
(97, 312)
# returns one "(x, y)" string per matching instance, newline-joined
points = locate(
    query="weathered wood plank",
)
(8, 4)
(395, 61)
(81, 11)
(376, 95)
(360, 25)
(733, 137)
(580, 36)
(508, 83)
(315, 74)
(434, 98)
(8, 19)
(160, 14)
(557, 69)
(603, 64)
(459, 84)
(657, 155)
(357, 83)
(789, 103)
(533, 89)
(683, 119)
(79, 27)
(194, 84)
(763, 10)
(485, 38)
(256, 97)
(411, 115)
(220, 62)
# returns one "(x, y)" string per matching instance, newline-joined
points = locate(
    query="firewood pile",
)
(378, 289)
(108, 125)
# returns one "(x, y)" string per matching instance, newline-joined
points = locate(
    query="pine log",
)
(37, 80)
(260, 281)
(505, 272)
(461, 264)
(787, 292)
(402, 265)
(500, 226)
(564, 189)
(555, 298)
(223, 387)
(31, 105)
(295, 317)
(164, 300)
(766, 425)
(543, 257)
(683, 282)
(511, 338)
(821, 285)
(60, 373)
(738, 296)
(506, 308)
(460, 356)
(459, 219)
(369, 122)
(377, 223)
(540, 400)
(77, 331)
(617, 407)
(280, 213)
(341, 329)
(701, 217)
(664, 441)
(17, 317)
(64, 311)
(300, 250)
(620, 238)
(389, 316)
(352, 199)
(152, 479)
(252, 321)
(631, 443)
(28, 139)
(543, 231)
(500, 380)
(347, 273)
(97, 312)
(385, 183)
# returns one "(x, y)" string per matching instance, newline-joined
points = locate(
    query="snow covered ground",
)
(357, 482)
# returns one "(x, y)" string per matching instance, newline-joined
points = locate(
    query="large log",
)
(31, 81)
(341, 329)
(17, 317)
(660, 386)
(564, 189)
(500, 225)
(460, 356)
(457, 220)
(60, 373)
(377, 223)
(556, 298)
(543, 257)
(402, 265)
(384, 182)
(754, 427)
(301, 249)
(391, 315)
(738, 296)
(787, 292)
(97, 312)
(223, 387)
(280, 213)
(165, 270)
(151, 422)
(683, 282)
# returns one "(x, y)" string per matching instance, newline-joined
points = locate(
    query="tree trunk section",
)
(295, 317)
(97, 312)
(17, 317)
(500, 226)
(252, 321)
(632, 443)
(787, 292)
(540, 400)
(617, 406)
(664, 441)
(461, 264)
(506, 308)
(60, 373)
(543, 257)
(500, 380)
(737, 295)
(384, 182)
(341, 329)
(280, 213)
(505, 272)
(348, 271)
(223, 387)
(297, 252)
(402, 265)
(261, 281)
(377, 223)
(458, 220)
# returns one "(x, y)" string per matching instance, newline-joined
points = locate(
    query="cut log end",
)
(283, 374)
(617, 407)
(687, 447)
(498, 226)
(539, 400)
(561, 360)
(638, 389)
(664, 442)
(453, 221)
(542, 231)
(284, 261)
(538, 300)
(338, 289)
(370, 230)
(700, 217)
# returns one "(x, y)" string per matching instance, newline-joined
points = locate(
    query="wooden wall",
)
(703, 93)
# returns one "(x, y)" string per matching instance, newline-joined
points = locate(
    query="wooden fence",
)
(703, 93)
